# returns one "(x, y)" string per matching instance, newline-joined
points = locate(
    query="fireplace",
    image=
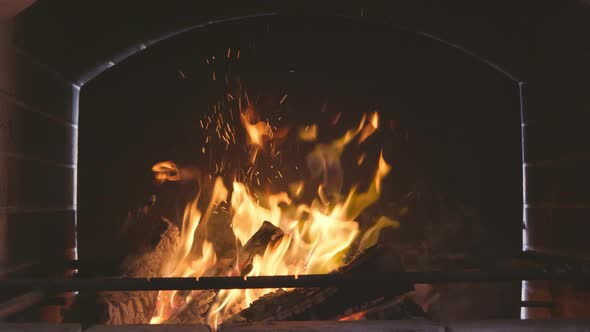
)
(327, 150)
(291, 114)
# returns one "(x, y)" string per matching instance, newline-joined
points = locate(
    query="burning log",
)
(267, 235)
(196, 310)
(327, 303)
(241, 262)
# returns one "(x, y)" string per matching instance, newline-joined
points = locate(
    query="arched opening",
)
(452, 123)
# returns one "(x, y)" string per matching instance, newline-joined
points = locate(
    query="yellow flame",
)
(296, 188)
(369, 129)
(317, 235)
(371, 236)
(375, 120)
(257, 132)
(309, 133)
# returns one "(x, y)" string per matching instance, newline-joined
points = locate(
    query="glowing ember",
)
(354, 316)
(318, 233)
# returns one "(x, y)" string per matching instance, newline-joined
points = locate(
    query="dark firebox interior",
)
(450, 130)
(482, 123)
(450, 121)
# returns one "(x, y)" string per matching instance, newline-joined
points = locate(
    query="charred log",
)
(138, 307)
(266, 235)
(196, 310)
(327, 303)
(124, 307)
(241, 264)
(148, 264)
(400, 307)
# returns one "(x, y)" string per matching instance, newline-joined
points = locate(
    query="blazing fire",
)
(316, 234)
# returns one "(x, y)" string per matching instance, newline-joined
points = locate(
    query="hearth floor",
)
(325, 326)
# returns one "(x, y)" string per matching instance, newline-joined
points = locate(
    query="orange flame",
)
(309, 133)
(369, 129)
(257, 132)
(166, 171)
(317, 235)
(359, 315)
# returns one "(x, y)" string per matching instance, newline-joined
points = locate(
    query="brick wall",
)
(557, 157)
(38, 134)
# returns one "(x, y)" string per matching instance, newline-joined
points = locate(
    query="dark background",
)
(450, 123)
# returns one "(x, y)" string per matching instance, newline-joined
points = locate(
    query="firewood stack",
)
(149, 239)
(138, 307)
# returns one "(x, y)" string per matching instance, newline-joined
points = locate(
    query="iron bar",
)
(106, 266)
(302, 281)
